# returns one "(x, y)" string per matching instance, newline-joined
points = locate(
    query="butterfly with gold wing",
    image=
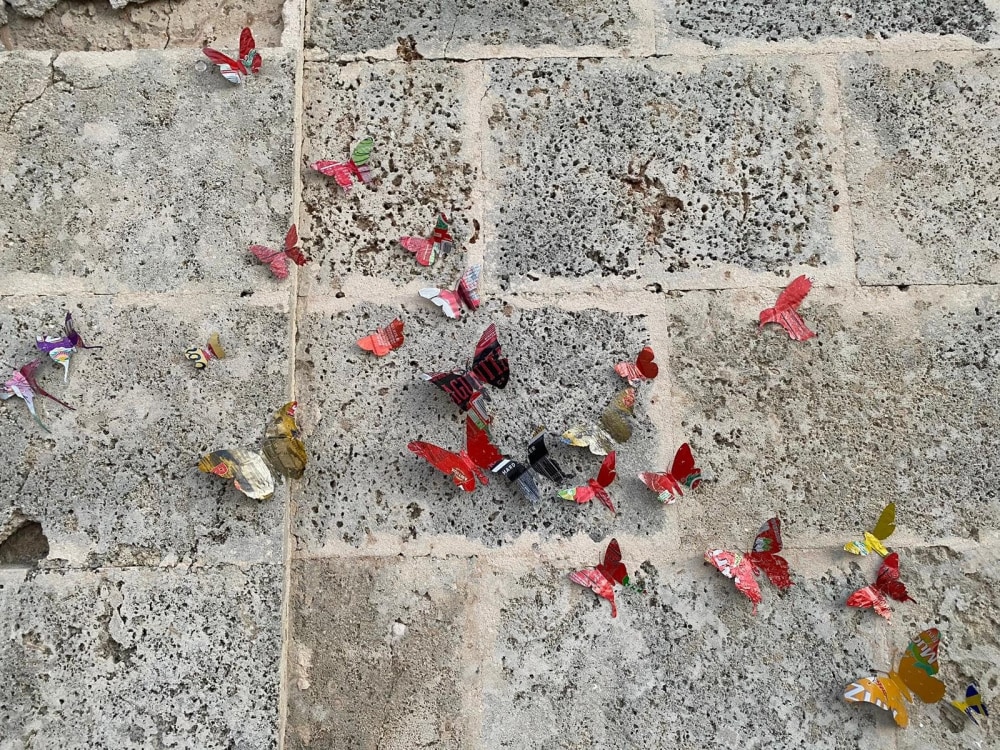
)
(913, 676)
(281, 453)
(872, 542)
(614, 426)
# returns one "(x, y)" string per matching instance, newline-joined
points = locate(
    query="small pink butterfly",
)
(278, 259)
(644, 368)
(237, 71)
(449, 301)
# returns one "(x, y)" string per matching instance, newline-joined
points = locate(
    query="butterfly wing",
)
(589, 436)
(248, 51)
(607, 473)
(461, 470)
(29, 374)
(644, 367)
(482, 452)
(598, 583)
(17, 385)
(232, 70)
(441, 236)
(613, 568)
(769, 537)
(765, 555)
(489, 365)
(738, 568)
(919, 664)
(881, 692)
(283, 449)
(246, 468)
(75, 338)
(538, 457)
(885, 525)
(360, 157)
(793, 294)
(973, 704)
(870, 596)
(446, 299)
(424, 250)
(520, 475)
(273, 258)
(684, 470)
(683, 473)
(664, 484)
(468, 287)
(888, 579)
(338, 170)
(292, 249)
(614, 418)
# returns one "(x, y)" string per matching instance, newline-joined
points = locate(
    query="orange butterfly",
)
(384, 340)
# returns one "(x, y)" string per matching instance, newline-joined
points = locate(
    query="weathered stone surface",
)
(724, 21)
(116, 481)
(140, 658)
(924, 183)
(378, 654)
(361, 411)
(134, 171)
(463, 28)
(658, 171)
(424, 163)
(894, 401)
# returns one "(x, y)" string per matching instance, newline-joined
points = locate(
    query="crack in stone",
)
(397, 674)
(48, 84)
(170, 16)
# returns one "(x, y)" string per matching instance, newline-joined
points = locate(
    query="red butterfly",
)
(644, 368)
(785, 310)
(465, 387)
(602, 579)
(887, 585)
(384, 340)
(595, 487)
(278, 259)
(451, 302)
(745, 568)
(670, 484)
(427, 248)
(236, 71)
(466, 466)
(357, 167)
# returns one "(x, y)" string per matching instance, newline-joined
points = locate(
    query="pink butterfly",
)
(384, 340)
(449, 301)
(887, 585)
(744, 568)
(644, 368)
(427, 249)
(595, 487)
(670, 484)
(356, 167)
(602, 579)
(278, 259)
(785, 310)
(23, 385)
(236, 71)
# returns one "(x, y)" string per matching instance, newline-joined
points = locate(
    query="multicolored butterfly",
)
(449, 301)
(465, 387)
(470, 464)
(427, 249)
(744, 568)
(644, 368)
(972, 705)
(614, 427)
(355, 168)
(237, 71)
(785, 310)
(63, 348)
(670, 484)
(282, 453)
(22, 384)
(595, 487)
(384, 340)
(278, 259)
(602, 579)
(913, 676)
(886, 586)
(538, 457)
(201, 357)
(873, 539)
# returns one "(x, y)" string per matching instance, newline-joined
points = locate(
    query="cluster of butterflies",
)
(23, 384)
(282, 452)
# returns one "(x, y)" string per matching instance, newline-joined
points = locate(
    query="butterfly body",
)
(973, 704)
(914, 675)
(237, 71)
(427, 249)
(467, 293)
(278, 259)
(873, 539)
(61, 349)
(887, 586)
(356, 168)
(744, 568)
(644, 368)
(595, 488)
(384, 340)
(602, 579)
(670, 485)
(201, 357)
(785, 311)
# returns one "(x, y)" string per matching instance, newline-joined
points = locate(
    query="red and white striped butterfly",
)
(595, 487)
(426, 249)
(670, 484)
(355, 168)
(278, 259)
(644, 368)
(237, 71)
(449, 301)
(384, 340)
(744, 568)
(602, 579)
(887, 586)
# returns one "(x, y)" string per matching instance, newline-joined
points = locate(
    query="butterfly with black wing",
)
(913, 676)
(466, 292)
(744, 568)
(471, 463)
(887, 586)
(670, 484)
(278, 259)
(237, 71)
(602, 579)
(538, 457)
(355, 168)
(595, 487)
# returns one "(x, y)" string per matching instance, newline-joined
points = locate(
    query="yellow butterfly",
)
(873, 539)
(973, 704)
(913, 676)
(282, 452)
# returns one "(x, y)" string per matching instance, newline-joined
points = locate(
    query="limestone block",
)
(139, 658)
(116, 480)
(97, 187)
(379, 653)
(680, 174)
(465, 28)
(923, 180)
(893, 401)
(425, 162)
(732, 21)
(361, 411)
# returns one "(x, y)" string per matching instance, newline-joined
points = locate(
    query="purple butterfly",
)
(62, 349)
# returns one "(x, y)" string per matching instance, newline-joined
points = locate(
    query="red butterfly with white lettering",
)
(237, 71)
(744, 568)
(644, 368)
(602, 579)
(670, 484)
(278, 259)
(887, 586)
(595, 487)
